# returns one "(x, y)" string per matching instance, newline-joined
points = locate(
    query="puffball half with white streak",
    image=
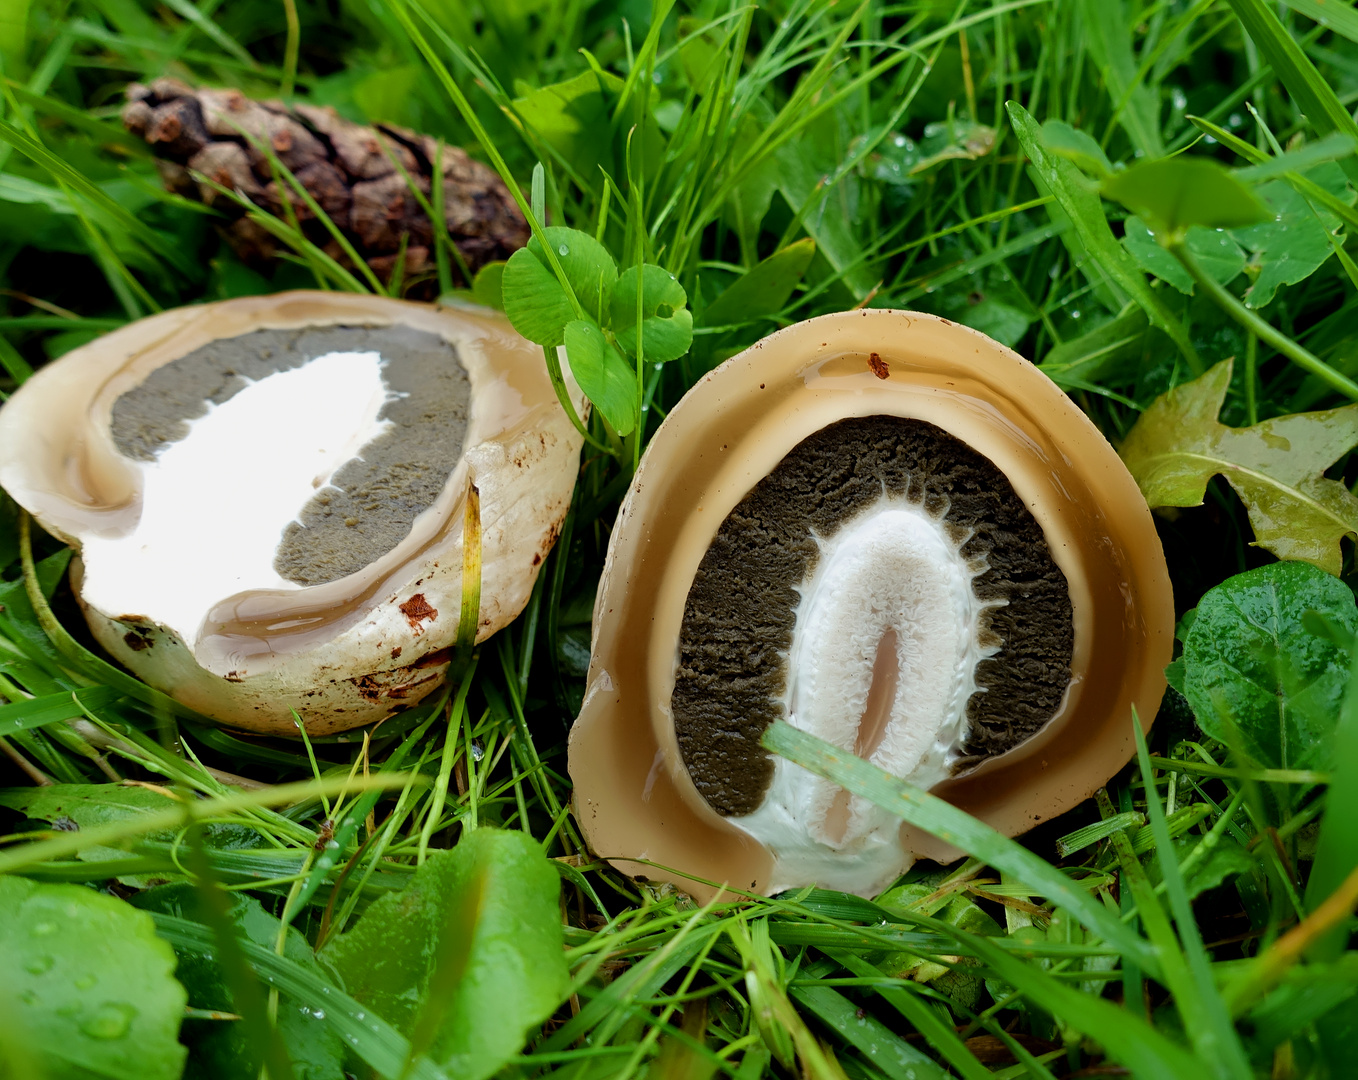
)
(891, 532)
(267, 495)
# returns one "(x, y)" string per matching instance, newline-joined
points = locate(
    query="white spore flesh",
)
(215, 503)
(883, 660)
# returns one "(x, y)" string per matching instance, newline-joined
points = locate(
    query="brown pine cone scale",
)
(346, 168)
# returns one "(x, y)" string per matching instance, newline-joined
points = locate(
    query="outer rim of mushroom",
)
(520, 449)
(633, 795)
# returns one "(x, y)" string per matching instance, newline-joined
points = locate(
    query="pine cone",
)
(347, 168)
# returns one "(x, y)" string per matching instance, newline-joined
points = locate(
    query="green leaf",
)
(490, 905)
(763, 290)
(895, 1057)
(1214, 249)
(1276, 467)
(534, 299)
(1076, 146)
(1108, 354)
(1340, 18)
(1337, 849)
(667, 324)
(589, 267)
(1333, 147)
(369, 1035)
(1293, 245)
(88, 987)
(604, 375)
(574, 118)
(488, 286)
(1116, 271)
(1108, 35)
(223, 1049)
(30, 713)
(1312, 95)
(1174, 194)
(1257, 677)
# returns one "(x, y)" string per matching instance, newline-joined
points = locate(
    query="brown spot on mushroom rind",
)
(741, 607)
(878, 366)
(396, 653)
(137, 640)
(416, 610)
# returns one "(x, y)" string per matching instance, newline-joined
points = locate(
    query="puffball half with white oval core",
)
(898, 535)
(267, 495)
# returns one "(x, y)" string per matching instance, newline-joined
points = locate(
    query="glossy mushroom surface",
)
(975, 600)
(267, 495)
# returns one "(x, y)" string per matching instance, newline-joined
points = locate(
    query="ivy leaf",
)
(467, 959)
(603, 374)
(1258, 677)
(666, 322)
(1276, 467)
(88, 988)
(1219, 255)
(1174, 194)
(1293, 245)
(534, 300)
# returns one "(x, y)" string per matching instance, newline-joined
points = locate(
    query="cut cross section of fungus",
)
(900, 536)
(267, 495)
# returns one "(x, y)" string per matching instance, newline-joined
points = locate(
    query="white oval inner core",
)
(882, 663)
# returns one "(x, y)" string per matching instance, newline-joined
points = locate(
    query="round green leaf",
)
(467, 959)
(588, 266)
(534, 300)
(488, 287)
(1258, 679)
(88, 988)
(666, 322)
(1172, 194)
(603, 374)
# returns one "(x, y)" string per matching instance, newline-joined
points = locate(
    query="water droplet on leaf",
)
(110, 1021)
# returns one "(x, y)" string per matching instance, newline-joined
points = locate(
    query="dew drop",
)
(110, 1021)
(478, 751)
(319, 1014)
(38, 965)
(563, 250)
(44, 929)
(86, 981)
(360, 1016)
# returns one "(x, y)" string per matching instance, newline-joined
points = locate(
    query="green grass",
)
(1177, 925)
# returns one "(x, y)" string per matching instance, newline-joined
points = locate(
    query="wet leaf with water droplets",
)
(1277, 467)
(217, 1049)
(89, 988)
(467, 959)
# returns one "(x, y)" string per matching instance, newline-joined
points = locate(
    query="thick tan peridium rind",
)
(633, 795)
(344, 653)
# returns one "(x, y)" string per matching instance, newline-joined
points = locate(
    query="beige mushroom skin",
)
(344, 653)
(633, 794)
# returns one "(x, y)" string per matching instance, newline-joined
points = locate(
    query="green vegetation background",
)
(1152, 201)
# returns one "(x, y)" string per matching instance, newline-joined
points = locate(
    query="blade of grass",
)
(957, 828)
(364, 1033)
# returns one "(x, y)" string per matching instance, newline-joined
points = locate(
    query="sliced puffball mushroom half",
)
(267, 495)
(898, 535)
